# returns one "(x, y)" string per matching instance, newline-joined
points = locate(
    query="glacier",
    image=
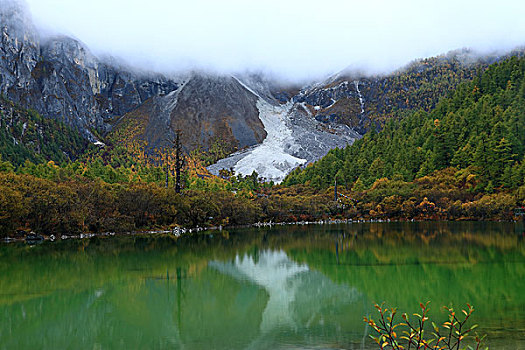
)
(273, 159)
(294, 138)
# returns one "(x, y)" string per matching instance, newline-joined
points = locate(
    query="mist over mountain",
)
(287, 42)
(283, 42)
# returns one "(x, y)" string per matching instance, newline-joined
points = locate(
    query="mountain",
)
(205, 108)
(271, 127)
(60, 78)
(105, 100)
(333, 113)
(479, 129)
(247, 114)
(364, 101)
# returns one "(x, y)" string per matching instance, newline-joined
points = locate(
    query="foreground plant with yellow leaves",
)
(451, 336)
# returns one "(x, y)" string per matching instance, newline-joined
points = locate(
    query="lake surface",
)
(286, 287)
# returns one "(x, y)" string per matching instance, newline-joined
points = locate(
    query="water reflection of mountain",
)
(301, 302)
(261, 302)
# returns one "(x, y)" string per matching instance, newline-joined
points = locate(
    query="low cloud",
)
(294, 39)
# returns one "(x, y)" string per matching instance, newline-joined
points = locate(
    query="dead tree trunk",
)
(179, 161)
(167, 167)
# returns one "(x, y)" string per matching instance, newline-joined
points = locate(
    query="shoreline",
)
(178, 232)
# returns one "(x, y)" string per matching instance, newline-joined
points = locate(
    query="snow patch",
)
(331, 104)
(361, 100)
(246, 87)
(172, 97)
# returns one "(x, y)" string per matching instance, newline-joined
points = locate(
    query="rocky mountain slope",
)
(294, 138)
(363, 101)
(61, 79)
(205, 108)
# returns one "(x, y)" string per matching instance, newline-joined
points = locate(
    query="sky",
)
(293, 39)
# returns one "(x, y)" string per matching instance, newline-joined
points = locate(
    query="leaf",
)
(376, 339)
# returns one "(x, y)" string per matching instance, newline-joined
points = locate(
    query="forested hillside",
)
(480, 128)
(422, 83)
(364, 101)
(25, 135)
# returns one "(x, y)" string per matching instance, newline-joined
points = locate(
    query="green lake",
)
(285, 287)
